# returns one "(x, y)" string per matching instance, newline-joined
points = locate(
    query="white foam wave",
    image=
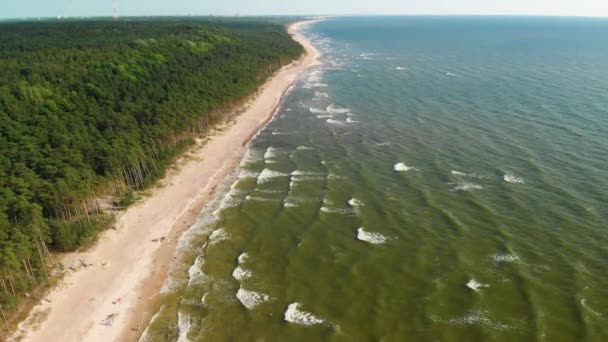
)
(240, 273)
(248, 174)
(324, 116)
(249, 157)
(196, 275)
(349, 120)
(476, 317)
(218, 235)
(335, 122)
(297, 173)
(321, 94)
(243, 258)
(466, 186)
(261, 199)
(512, 179)
(506, 258)
(184, 324)
(464, 174)
(293, 314)
(475, 285)
(171, 285)
(304, 148)
(283, 133)
(451, 74)
(401, 167)
(333, 109)
(317, 110)
(371, 237)
(353, 202)
(270, 153)
(401, 68)
(266, 175)
(251, 299)
(342, 211)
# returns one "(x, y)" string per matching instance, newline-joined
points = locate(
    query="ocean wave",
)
(477, 317)
(297, 173)
(241, 274)
(261, 199)
(335, 122)
(271, 152)
(171, 285)
(475, 285)
(324, 116)
(243, 258)
(249, 157)
(304, 148)
(317, 110)
(293, 314)
(506, 258)
(323, 95)
(266, 175)
(464, 174)
(184, 325)
(218, 235)
(248, 174)
(349, 120)
(251, 299)
(283, 133)
(333, 109)
(342, 211)
(449, 74)
(401, 167)
(196, 276)
(512, 179)
(353, 202)
(371, 237)
(466, 186)
(401, 68)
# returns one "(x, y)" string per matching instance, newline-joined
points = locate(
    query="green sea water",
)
(435, 179)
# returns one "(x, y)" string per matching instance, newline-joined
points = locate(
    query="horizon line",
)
(236, 15)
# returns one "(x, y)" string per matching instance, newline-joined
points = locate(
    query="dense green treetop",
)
(88, 106)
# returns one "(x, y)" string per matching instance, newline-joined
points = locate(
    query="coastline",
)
(128, 267)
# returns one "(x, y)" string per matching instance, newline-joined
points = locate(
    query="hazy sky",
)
(45, 8)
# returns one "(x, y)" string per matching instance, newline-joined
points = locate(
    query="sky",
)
(53, 8)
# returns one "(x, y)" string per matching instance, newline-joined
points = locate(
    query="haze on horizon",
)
(71, 8)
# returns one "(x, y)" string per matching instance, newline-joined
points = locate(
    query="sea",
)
(434, 179)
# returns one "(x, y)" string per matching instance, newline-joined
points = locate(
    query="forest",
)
(93, 110)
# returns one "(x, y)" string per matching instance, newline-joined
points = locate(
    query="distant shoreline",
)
(136, 267)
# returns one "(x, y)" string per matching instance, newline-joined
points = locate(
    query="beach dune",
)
(106, 301)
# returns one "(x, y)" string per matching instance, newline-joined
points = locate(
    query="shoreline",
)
(128, 266)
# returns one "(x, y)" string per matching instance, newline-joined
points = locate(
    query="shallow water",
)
(435, 179)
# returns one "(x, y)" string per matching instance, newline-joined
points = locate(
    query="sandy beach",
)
(128, 265)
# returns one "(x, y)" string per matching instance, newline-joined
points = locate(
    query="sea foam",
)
(401, 167)
(218, 235)
(293, 314)
(513, 179)
(506, 258)
(333, 109)
(251, 299)
(466, 186)
(371, 237)
(240, 273)
(475, 285)
(266, 175)
(317, 110)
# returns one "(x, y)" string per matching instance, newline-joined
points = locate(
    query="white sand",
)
(126, 263)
